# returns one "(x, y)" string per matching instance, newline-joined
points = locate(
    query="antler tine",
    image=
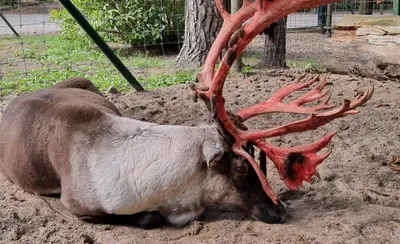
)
(348, 107)
(362, 98)
(307, 165)
(275, 104)
(313, 95)
(221, 9)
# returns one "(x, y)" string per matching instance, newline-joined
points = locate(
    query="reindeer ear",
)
(212, 153)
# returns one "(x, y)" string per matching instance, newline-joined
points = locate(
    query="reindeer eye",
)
(242, 170)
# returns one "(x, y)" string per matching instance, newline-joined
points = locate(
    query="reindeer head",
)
(245, 190)
(232, 183)
(295, 164)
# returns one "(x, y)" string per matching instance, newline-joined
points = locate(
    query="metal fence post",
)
(9, 25)
(70, 7)
(396, 7)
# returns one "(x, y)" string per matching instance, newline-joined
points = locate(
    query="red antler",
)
(294, 164)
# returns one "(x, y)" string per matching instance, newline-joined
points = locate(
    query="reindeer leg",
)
(144, 220)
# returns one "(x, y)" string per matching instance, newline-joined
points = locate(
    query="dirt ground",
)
(357, 199)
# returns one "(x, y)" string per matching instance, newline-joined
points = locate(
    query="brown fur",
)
(78, 82)
(70, 109)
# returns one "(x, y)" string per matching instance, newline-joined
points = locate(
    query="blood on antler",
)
(303, 160)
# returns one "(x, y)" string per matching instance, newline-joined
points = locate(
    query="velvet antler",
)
(295, 164)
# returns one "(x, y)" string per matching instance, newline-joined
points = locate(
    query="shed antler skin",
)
(236, 37)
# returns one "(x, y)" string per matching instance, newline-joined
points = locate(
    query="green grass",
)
(155, 81)
(40, 78)
(307, 64)
(247, 69)
(55, 59)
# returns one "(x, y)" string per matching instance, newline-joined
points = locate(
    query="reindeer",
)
(70, 140)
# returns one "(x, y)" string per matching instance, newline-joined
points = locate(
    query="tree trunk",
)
(321, 10)
(366, 7)
(275, 45)
(237, 65)
(202, 23)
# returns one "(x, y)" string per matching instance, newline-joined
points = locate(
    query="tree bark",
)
(275, 45)
(237, 65)
(366, 7)
(202, 23)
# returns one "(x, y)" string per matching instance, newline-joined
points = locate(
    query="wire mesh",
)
(45, 54)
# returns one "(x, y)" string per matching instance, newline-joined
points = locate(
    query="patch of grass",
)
(247, 69)
(105, 77)
(141, 61)
(19, 82)
(60, 59)
(154, 81)
(307, 64)
(59, 51)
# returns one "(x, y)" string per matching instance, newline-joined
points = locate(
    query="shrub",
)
(135, 22)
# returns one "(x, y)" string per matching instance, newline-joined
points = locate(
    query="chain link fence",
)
(47, 51)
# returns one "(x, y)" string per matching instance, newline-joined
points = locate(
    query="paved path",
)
(28, 24)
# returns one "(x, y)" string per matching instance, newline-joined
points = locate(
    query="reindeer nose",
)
(277, 215)
(280, 214)
(270, 213)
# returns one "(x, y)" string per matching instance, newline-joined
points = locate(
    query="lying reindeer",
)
(70, 140)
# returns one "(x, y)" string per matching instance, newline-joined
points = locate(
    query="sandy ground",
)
(357, 199)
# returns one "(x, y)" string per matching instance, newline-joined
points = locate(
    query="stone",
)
(344, 35)
(365, 31)
(353, 22)
(364, 25)
(390, 30)
(384, 40)
(113, 90)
